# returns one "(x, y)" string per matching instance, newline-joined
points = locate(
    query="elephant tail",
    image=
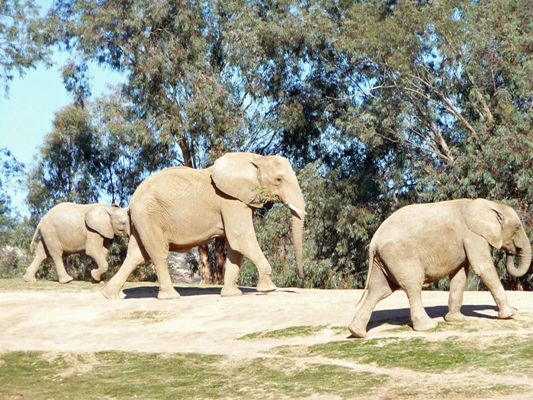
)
(36, 236)
(371, 255)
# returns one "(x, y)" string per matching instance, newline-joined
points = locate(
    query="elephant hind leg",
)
(231, 274)
(378, 288)
(40, 256)
(157, 245)
(419, 317)
(135, 256)
(62, 275)
(412, 285)
(457, 288)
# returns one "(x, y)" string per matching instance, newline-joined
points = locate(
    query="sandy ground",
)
(202, 321)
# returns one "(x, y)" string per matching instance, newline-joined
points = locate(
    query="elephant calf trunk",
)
(524, 257)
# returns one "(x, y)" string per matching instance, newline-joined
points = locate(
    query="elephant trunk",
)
(524, 261)
(297, 239)
(295, 200)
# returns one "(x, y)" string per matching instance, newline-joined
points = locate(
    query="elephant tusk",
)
(297, 210)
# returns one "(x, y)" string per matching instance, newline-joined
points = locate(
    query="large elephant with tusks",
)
(180, 208)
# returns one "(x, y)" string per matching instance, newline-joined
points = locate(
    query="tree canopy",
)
(22, 43)
(378, 104)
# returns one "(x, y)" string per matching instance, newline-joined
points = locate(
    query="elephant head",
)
(255, 180)
(501, 227)
(109, 221)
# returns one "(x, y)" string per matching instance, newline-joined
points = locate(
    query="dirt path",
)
(203, 322)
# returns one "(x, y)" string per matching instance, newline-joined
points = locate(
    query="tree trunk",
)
(212, 268)
(203, 266)
(219, 260)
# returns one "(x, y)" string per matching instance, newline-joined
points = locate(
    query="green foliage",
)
(339, 226)
(65, 170)
(173, 58)
(378, 104)
(15, 232)
(22, 43)
(11, 172)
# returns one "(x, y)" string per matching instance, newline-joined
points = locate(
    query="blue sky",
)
(26, 115)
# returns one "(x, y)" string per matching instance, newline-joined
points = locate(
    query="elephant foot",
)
(454, 317)
(96, 275)
(265, 284)
(230, 291)
(357, 330)
(424, 325)
(29, 278)
(170, 294)
(507, 313)
(112, 294)
(66, 279)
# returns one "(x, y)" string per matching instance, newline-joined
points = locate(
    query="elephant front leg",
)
(166, 288)
(240, 235)
(231, 273)
(457, 289)
(98, 253)
(480, 259)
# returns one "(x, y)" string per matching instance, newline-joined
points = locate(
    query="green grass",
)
(293, 331)
(418, 354)
(121, 375)
(148, 316)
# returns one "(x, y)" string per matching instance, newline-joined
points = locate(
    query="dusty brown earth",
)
(203, 322)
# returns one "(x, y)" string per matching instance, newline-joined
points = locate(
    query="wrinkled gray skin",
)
(70, 228)
(180, 208)
(423, 243)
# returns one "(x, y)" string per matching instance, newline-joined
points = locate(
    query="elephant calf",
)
(423, 243)
(74, 228)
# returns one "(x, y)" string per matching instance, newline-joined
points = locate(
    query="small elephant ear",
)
(482, 217)
(237, 175)
(99, 220)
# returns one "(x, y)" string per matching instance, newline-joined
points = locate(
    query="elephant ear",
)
(99, 220)
(482, 217)
(237, 175)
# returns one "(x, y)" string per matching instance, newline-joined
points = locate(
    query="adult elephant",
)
(423, 243)
(180, 208)
(70, 228)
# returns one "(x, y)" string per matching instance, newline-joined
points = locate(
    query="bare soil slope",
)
(202, 322)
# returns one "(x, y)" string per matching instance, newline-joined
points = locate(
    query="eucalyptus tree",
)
(204, 74)
(22, 43)
(67, 165)
(11, 173)
(438, 95)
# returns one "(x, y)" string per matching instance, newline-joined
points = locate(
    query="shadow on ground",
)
(143, 292)
(401, 316)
